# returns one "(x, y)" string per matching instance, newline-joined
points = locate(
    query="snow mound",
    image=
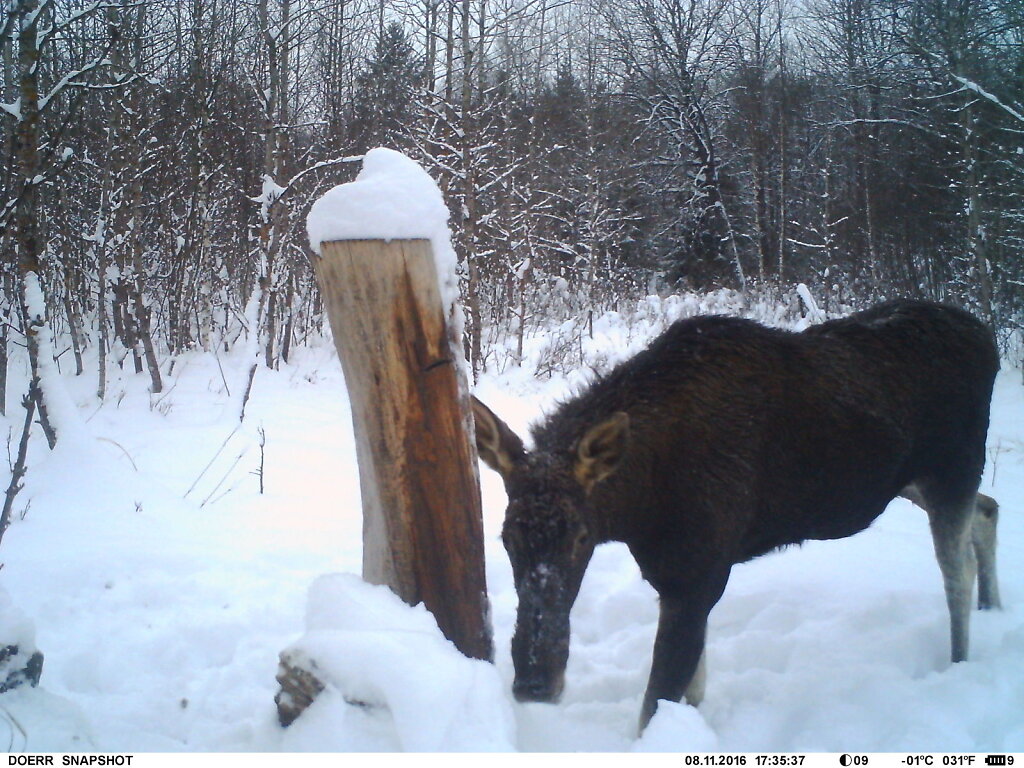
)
(15, 627)
(392, 198)
(677, 727)
(35, 720)
(375, 650)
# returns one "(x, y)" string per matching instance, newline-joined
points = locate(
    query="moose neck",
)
(623, 506)
(612, 511)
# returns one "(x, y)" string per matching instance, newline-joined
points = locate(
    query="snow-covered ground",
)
(163, 586)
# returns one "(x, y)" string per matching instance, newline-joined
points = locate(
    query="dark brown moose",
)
(724, 440)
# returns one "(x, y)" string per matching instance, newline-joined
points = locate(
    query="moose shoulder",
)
(724, 440)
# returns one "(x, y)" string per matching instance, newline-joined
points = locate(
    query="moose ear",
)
(497, 444)
(601, 449)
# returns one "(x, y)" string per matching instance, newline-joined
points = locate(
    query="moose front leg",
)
(677, 668)
(694, 693)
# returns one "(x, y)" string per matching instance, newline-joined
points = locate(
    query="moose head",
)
(550, 532)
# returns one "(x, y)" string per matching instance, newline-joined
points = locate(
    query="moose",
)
(724, 440)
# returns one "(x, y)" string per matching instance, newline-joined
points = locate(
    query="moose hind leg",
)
(983, 539)
(951, 533)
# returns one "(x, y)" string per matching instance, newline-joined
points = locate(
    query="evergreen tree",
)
(383, 101)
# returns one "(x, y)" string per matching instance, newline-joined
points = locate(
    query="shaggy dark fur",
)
(724, 440)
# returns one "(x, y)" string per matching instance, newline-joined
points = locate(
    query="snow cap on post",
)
(392, 198)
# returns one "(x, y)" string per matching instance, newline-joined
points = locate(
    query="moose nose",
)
(533, 691)
(539, 690)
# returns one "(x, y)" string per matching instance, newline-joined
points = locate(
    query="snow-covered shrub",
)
(577, 336)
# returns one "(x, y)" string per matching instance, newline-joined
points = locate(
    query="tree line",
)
(158, 158)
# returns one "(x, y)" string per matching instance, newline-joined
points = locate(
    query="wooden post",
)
(422, 521)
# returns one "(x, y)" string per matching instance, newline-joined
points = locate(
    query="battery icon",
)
(995, 760)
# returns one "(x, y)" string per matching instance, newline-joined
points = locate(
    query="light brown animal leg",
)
(983, 537)
(951, 522)
(983, 543)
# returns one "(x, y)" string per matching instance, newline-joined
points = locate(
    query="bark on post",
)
(422, 523)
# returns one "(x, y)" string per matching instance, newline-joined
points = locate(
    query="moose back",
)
(724, 440)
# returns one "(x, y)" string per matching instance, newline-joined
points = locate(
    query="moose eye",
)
(582, 540)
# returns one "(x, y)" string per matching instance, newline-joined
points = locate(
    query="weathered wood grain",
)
(422, 524)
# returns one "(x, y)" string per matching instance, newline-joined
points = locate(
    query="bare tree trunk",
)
(469, 196)
(26, 150)
(289, 309)
(271, 322)
(142, 311)
(430, 8)
(449, 55)
(20, 464)
(869, 223)
(101, 296)
(104, 340)
(4, 330)
(74, 322)
(826, 207)
(8, 93)
(783, 153)
(8, 284)
(144, 315)
(975, 231)
(35, 386)
(274, 210)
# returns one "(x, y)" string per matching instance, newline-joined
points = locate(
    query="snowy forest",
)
(159, 156)
(184, 493)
